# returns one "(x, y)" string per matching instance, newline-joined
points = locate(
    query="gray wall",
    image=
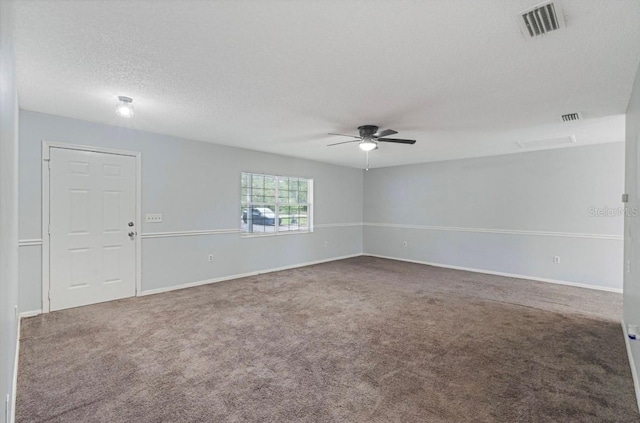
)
(8, 206)
(196, 186)
(631, 224)
(507, 214)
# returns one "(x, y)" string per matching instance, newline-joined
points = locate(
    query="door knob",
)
(131, 234)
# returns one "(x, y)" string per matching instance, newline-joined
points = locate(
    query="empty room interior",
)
(319, 211)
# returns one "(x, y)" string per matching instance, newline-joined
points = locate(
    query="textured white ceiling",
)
(276, 76)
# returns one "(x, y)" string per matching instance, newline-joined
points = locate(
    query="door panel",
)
(92, 200)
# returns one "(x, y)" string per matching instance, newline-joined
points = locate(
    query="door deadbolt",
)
(130, 224)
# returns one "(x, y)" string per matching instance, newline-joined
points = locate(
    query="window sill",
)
(269, 234)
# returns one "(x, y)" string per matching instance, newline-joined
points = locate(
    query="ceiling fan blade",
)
(343, 142)
(384, 133)
(396, 140)
(344, 135)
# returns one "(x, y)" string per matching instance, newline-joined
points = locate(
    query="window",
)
(273, 205)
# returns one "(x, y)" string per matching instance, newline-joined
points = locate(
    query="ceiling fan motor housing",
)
(367, 131)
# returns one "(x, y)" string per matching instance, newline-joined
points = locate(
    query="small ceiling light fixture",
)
(368, 144)
(124, 108)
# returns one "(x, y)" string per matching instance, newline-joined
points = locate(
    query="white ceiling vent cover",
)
(570, 117)
(547, 143)
(541, 19)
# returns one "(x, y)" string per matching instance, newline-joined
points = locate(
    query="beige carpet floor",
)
(358, 340)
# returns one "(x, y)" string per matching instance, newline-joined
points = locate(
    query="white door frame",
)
(46, 238)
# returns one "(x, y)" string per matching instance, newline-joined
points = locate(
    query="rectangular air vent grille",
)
(547, 143)
(570, 117)
(541, 19)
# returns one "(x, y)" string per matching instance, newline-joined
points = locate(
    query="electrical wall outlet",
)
(404, 243)
(210, 257)
(556, 259)
(326, 243)
(153, 217)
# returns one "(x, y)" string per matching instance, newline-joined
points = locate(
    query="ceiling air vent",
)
(570, 117)
(540, 19)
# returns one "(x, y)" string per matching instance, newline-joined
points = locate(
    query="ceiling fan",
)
(370, 137)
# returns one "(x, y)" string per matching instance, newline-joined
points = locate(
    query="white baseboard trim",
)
(242, 275)
(632, 364)
(14, 384)
(194, 284)
(509, 275)
(30, 313)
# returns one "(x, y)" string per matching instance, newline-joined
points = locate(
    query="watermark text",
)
(613, 211)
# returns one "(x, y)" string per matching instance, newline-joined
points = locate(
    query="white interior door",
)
(92, 225)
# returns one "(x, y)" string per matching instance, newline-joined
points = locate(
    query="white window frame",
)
(277, 232)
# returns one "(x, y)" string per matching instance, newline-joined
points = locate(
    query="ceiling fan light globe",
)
(367, 145)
